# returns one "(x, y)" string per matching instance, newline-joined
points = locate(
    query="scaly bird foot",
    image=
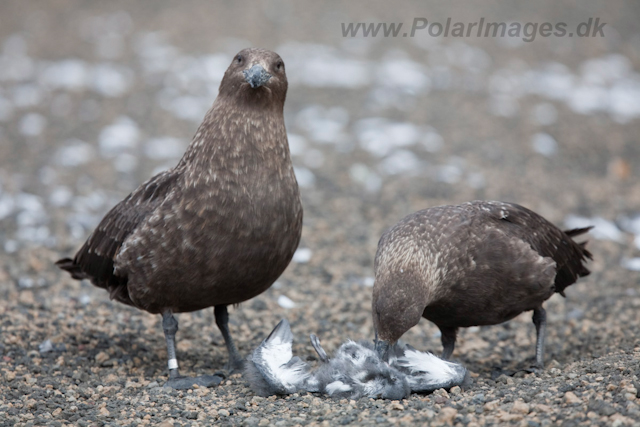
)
(534, 369)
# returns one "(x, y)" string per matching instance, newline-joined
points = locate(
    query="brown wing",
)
(547, 239)
(94, 261)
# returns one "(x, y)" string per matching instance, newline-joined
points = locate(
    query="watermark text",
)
(528, 31)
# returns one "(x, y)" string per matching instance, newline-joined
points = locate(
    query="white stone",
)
(544, 144)
(302, 255)
(285, 302)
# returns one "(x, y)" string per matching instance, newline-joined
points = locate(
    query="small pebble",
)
(571, 399)
(520, 407)
(447, 415)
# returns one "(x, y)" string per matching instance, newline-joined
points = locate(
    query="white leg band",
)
(173, 363)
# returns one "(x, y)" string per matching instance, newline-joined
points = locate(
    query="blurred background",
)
(95, 97)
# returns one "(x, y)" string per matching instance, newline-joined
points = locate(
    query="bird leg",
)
(540, 320)
(315, 342)
(236, 363)
(176, 381)
(170, 327)
(448, 339)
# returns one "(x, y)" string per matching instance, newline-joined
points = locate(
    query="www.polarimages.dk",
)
(450, 28)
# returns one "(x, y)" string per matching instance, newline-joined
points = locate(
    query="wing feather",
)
(545, 238)
(95, 260)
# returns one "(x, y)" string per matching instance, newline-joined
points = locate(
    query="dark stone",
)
(347, 420)
(190, 415)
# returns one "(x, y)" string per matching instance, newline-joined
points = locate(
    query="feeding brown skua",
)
(478, 263)
(217, 229)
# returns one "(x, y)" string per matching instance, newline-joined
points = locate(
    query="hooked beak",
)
(256, 76)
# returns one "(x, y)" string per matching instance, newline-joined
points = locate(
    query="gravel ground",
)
(96, 97)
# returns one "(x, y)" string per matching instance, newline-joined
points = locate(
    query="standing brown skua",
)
(217, 229)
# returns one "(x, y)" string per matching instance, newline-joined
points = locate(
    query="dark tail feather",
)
(69, 265)
(585, 252)
(583, 246)
(577, 231)
(574, 267)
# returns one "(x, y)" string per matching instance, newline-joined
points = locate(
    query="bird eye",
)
(279, 65)
(239, 59)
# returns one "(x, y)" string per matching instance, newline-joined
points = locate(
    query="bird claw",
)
(534, 369)
(184, 383)
(497, 372)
